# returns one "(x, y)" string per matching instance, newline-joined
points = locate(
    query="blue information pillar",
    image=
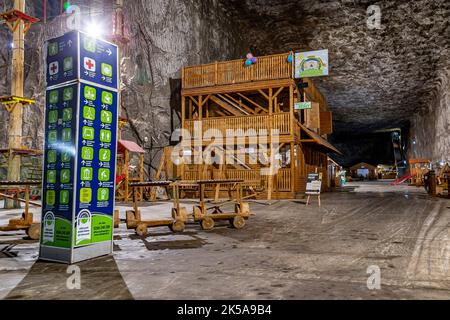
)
(80, 148)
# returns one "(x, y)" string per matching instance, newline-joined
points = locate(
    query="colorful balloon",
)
(290, 58)
(254, 60)
(249, 55)
(248, 62)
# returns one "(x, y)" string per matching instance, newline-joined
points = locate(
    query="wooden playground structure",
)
(228, 95)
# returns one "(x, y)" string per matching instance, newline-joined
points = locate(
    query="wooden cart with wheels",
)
(33, 230)
(134, 219)
(207, 216)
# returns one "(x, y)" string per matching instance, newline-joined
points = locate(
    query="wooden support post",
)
(141, 176)
(271, 155)
(127, 174)
(15, 117)
(293, 173)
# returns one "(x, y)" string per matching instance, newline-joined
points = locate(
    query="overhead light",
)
(94, 30)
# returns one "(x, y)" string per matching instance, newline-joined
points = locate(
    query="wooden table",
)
(33, 230)
(134, 219)
(207, 216)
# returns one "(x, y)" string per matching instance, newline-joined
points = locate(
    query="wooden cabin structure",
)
(126, 173)
(364, 171)
(229, 95)
(418, 168)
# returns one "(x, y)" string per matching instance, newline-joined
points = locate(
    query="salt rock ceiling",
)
(379, 78)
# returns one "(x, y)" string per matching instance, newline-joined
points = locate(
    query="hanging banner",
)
(311, 64)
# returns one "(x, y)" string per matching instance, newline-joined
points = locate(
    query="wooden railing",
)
(230, 72)
(251, 125)
(252, 177)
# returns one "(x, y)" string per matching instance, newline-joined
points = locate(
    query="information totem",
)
(80, 148)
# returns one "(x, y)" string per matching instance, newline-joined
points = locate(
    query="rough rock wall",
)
(164, 36)
(431, 129)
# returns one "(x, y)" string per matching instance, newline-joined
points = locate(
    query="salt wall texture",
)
(431, 129)
(164, 36)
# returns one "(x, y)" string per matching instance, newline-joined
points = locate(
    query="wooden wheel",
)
(207, 223)
(178, 226)
(34, 231)
(141, 230)
(238, 222)
(131, 219)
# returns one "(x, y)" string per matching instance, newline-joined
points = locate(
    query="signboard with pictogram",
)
(77, 56)
(80, 154)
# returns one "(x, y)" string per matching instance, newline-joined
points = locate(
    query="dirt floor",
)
(286, 251)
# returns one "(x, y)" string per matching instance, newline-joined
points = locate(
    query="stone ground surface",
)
(286, 251)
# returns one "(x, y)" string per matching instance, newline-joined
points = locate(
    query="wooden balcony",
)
(252, 177)
(273, 67)
(251, 125)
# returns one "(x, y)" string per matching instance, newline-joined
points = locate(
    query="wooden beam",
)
(278, 92)
(17, 81)
(240, 103)
(264, 94)
(253, 102)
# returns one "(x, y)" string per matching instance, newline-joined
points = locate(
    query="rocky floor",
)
(286, 251)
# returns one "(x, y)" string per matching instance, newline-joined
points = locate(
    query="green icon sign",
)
(87, 153)
(67, 135)
(67, 114)
(88, 133)
(302, 105)
(107, 98)
(107, 70)
(50, 197)
(53, 116)
(65, 176)
(90, 93)
(66, 157)
(85, 195)
(87, 174)
(89, 113)
(105, 136)
(51, 176)
(105, 155)
(106, 116)
(52, 156)
(103, 174)
(103, 194)
(68, 94)
(90, 45)
(64, 197)
(53, 49)
(68, 64)
(54, 97)
(52, 136)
